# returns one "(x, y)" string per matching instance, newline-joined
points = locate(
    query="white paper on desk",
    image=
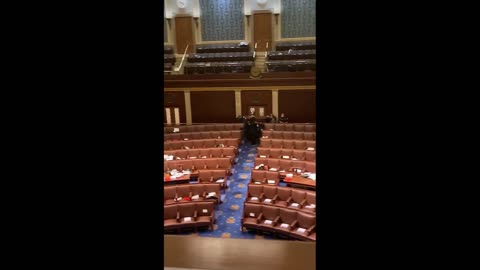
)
(286, 157)
(310, 206)
(294, 204)
(212, 193)
(254, 199)
(204, 210)
(310, 149)
(284, 225)
(312, 176)
(193, 157)
(185, 139)
(195, 197)
(220, 181)
(294, 159)
(267, 200)
(271, 181)
(282, 171)
(186, 147)
(176, 130)
(301, 230)
(256, 168)
(289, 175)
(268, 222)
(252, 214)
(273, 169)
(258, 183)
(204, 157)
(186, 171)
(262, 156)
(187, 219)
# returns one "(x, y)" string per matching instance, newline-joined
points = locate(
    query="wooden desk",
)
(242, 254)
(302, 182)
(182, 180)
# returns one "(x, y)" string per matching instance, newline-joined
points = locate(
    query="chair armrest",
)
(205, 166)
(275, 198)
(259, 217)
(190, 194)
(309, 230)
(293, 224)
(303, 202)
(289, 199)
(195, 215)
(204, 194)
(276, 220)
(218, 166)
(178, 216)
(211, 178)
(261, 196)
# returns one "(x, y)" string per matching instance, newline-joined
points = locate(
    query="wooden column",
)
(188, 107)
(275, 102)
(238, 102)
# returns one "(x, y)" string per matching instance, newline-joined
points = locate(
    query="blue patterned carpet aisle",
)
(229, 213)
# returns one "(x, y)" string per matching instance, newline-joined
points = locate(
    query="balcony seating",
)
(220, 57)
(292, 55)
(218, 48)
(189, 216)
(218, 67)
(290, 65)
(296, 45)
(195, 192)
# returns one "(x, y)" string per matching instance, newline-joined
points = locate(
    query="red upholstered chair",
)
(170, 215)
(258, 177)
(213, 187)
(266, 220)
(196, 135)
(219, 127)
(169, 195)
(284, 196)
(204, 153)
(267, 143)
(205, 214)
(259, 161)
(285, 165)
(211, 163)
(278, 135)
(183, 191)
(306, 224)
(255, 193)
(310, 167)
(285, 220)
(269, 126)
(309, 136)
(205, 176)
(186, 164)
(286, 153)
(236, 134)
(279, 126)
(198, 190)
(299, 127)
(299, 154)
(310, 128)
(185, 129)
(193, 153)
(269, 194)
(199, 164)
(298, 164)
(186, 145)
(187, 215)
(216, 152)
(225, 134)
(276, 143)
(288, 144)
(273, 163)
(310, 156)
(311, 144)
(272, 178)
(181, 153)
(230, 127)
(232, 142)
(297, 136)
(228, 152)
(311, 203)
(268, 133)
(300, 145)
(198, 144)
(288, 127)
(298, 199)
(251, 212)
(218, 175)
(275, 152)
(210, 143)
(288, 135)
(263, 152)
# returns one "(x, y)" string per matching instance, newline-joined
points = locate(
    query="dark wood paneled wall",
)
(256, 98)
(213, 106)
(175, 99)
(262, 30)
(184, 34)
(298, 105)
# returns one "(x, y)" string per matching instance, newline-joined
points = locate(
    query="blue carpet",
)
(229, 213)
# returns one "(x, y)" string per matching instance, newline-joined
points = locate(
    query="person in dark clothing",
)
(268, 118)
(283, 118)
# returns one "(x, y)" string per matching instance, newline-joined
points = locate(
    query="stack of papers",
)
(284, 225)
(178, 175)
(282, 171)
(257, 167)
(254, 199)
(312, 176)
(268, 222)
(204, 210)
(195, 197)
(176, 130)
(185, 139)
(271, 181)
(286, 157)
(252, 214)
(263, 156)
(294, 159)
(310, 148)
(258, 183)
(192, 157)
(289, 174)
(187, 219)
(294, 205)
(267, 200)
(310, 206)
(273, 169)
(301, 230)
(220, 181)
